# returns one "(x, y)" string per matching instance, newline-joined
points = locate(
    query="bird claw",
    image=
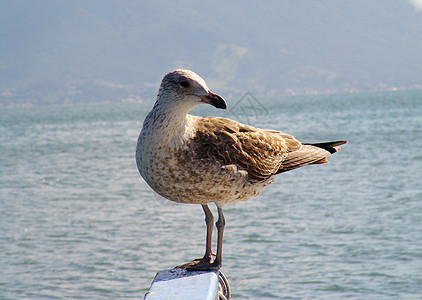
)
(200, 264)
(215, 266)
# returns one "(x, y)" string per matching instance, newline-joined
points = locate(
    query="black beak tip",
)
(217, 101)
(220, 104)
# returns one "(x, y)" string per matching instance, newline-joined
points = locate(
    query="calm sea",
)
(78, 222)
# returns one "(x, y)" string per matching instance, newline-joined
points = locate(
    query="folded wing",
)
(261, 152)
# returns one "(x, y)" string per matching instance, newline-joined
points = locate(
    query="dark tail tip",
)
(331, 147)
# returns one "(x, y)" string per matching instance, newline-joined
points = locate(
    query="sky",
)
(79, 51)
(417, 4)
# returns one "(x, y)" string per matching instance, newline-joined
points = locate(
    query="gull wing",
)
(261, 152)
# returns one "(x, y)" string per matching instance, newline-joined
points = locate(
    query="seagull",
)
(199, 160)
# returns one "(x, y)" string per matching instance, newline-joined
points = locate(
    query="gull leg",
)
(216, 264)
(220, 227)
(209, 220)
(202, 263)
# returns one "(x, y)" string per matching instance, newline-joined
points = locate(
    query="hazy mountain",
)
(88, 51)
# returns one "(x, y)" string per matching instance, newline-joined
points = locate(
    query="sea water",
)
(78, 222)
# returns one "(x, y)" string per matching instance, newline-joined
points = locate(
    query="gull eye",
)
(184, 84)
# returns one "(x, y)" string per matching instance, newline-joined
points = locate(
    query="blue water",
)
(78, 222)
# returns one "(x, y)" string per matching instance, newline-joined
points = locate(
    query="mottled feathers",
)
(261, 152)
(193, 159)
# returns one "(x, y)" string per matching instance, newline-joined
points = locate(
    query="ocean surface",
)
(78, 222)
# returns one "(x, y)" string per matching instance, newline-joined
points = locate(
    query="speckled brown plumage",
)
(191, 159)
(261, 152)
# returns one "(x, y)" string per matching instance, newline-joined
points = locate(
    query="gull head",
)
(186, 88)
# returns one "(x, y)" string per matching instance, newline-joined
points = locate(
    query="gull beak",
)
(215, 100)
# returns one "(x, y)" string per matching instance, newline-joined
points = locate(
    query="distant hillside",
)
(110, 50)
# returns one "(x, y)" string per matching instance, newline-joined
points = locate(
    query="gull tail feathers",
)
(331, 147)
(310, 154)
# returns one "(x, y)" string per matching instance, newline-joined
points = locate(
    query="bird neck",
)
(169, 122)
(174, 115)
